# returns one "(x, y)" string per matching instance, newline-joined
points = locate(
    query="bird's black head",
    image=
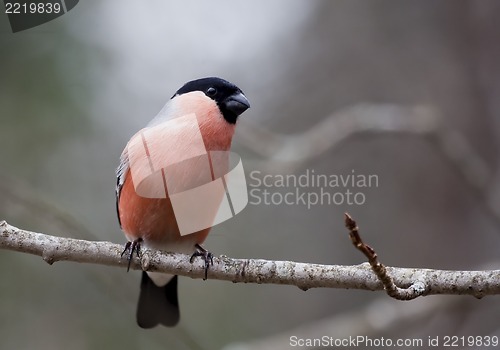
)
(230, 99)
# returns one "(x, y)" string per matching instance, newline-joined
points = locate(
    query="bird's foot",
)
(130, 247)
(206, 255)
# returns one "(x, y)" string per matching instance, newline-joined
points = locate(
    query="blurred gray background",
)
(74, 90)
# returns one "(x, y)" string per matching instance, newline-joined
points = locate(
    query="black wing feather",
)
(121, 173)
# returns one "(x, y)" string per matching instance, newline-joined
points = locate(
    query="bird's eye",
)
(211, 91)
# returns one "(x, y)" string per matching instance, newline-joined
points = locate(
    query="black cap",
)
(230, 99)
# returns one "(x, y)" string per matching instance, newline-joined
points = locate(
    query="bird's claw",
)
(131, 247)
(206, 255)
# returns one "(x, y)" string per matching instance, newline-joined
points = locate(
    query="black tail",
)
(157, 305)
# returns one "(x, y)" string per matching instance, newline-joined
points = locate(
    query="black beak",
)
(233, 106)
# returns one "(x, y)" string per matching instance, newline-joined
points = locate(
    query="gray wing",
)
(121, 172)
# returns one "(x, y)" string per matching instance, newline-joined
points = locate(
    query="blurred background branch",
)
(373, 321)
(326, 134)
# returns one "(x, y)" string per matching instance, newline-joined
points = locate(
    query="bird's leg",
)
(205, 254)
(135, 245)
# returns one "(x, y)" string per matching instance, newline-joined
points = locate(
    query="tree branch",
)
(302, 275)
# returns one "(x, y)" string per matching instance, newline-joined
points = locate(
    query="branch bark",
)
(302, 275)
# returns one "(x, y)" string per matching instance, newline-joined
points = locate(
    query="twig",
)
(415, 290)
(302, 275)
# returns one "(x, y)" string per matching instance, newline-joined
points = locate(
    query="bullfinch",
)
(157, 165)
